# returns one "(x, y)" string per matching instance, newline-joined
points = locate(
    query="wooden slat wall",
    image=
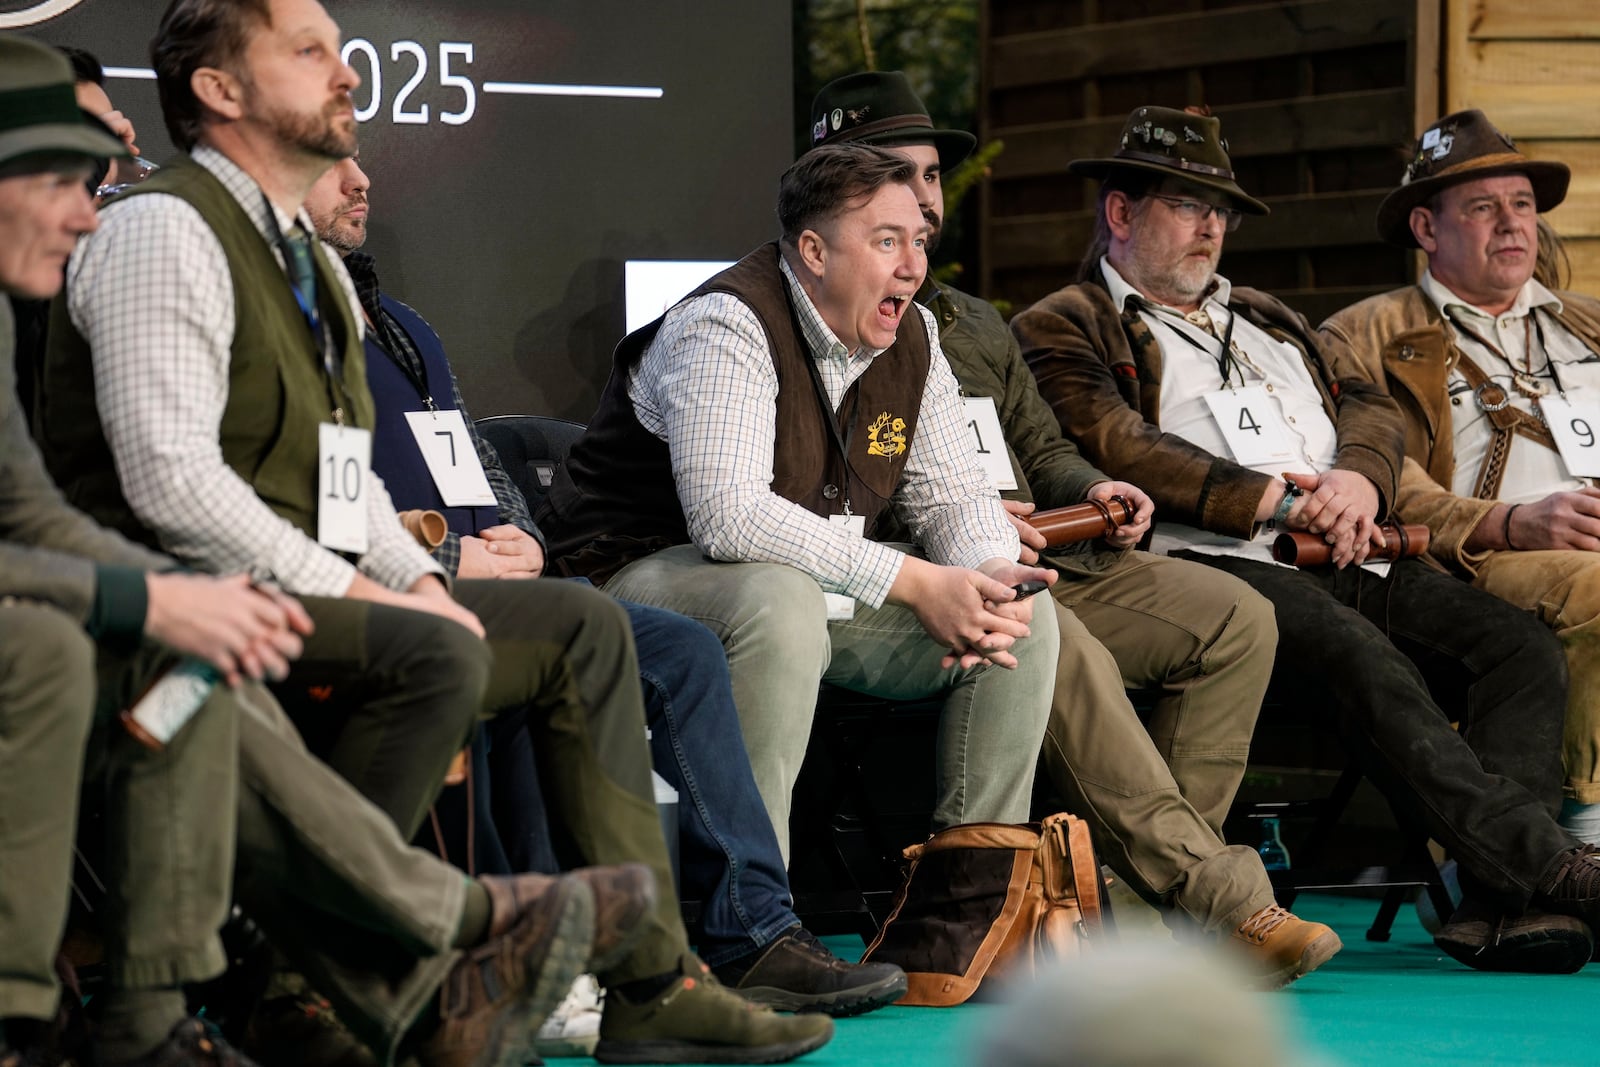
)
(1533, 66)
(1318, 99)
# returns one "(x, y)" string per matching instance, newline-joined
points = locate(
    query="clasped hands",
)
(1340, 506)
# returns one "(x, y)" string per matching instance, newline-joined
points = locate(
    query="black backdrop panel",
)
(505, 216)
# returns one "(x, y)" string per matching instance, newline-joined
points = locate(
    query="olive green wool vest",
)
(278, 389)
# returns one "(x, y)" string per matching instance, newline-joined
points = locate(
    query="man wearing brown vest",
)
(1156, 788)
(744, 450)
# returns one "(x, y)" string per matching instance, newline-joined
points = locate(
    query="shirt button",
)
(830, 491)
(1269, 388)
(1456, 400)
(1291, 418)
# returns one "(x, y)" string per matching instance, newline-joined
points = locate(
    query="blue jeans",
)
(728, 852)
(729, 856)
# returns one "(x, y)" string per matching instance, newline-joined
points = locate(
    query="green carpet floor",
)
(1374, 1005)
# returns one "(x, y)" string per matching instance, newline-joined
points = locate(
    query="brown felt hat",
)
(879, 107)
(1173, 143)
(38, 111)
(1460, 148)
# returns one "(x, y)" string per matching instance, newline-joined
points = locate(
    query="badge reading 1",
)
(1252, 425)
(842, 608)
(1574, 424)
(345, 456)
(447, 447)
(989, 442)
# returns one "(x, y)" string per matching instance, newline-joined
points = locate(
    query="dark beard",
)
(318, 135)
(931, 242)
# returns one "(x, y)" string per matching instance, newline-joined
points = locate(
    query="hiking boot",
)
(191, 1043)
(697, 1020)
(301, 1030)
(1279, 947)
(1535, 942)
(498, 993)
(623, 896)
(574, 1027)
(796, 972)
(1573, 885)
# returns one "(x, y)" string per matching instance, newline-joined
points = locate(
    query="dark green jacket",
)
(50, 552)
(1049, 469)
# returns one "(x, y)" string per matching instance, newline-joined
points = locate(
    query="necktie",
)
(302, 275)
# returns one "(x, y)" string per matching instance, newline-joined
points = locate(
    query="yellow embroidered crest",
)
(888, 436)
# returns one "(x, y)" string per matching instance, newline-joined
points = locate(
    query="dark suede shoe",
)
(798, 973)
(698, 1020)
(190, 1044)
(623, 896)
(1535, 942)
(301, 1030)
(494, 999)
(1572, 886)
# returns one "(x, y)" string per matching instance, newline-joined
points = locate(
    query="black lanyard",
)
(389, 345)
(1530, 329)
(1226, 364)
(840, 442)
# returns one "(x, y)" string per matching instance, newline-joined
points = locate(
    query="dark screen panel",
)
(508, 229)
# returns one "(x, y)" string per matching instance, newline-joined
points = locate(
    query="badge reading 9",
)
(412, 60)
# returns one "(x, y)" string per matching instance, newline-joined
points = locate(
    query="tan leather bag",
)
(992, 901)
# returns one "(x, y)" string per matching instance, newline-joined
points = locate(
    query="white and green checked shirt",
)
(708, 388)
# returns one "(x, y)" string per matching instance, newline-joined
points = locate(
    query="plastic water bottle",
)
(1274, 856)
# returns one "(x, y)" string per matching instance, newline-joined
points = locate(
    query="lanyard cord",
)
(840, 442)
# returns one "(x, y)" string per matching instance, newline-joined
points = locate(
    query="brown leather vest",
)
(614, 501)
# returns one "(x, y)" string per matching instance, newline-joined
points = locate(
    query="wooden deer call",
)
(1082, 522)
(1310, 550)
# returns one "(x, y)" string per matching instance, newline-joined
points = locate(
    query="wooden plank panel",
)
(1295, 222)
(1201, 39)
(1564, 63)
(1579, 213)
(1530, 111)
(1530, 19)
(1585, 256)
(1342, 120)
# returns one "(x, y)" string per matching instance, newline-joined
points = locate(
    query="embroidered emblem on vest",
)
(893, 436)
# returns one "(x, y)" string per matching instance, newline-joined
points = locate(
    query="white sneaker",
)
(573, 1029)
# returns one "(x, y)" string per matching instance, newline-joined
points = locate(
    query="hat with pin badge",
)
(1463, 147)
(1180, 144)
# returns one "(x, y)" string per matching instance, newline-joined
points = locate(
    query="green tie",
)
(302, 275)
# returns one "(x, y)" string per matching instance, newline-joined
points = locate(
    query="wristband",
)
(1291, 493)
(1512, 510)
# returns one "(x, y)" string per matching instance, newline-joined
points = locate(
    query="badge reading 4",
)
(1252, 425)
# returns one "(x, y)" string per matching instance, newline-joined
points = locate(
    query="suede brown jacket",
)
(1399, 340)
(1100, 370)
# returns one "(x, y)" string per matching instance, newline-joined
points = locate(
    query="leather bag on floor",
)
(993, 902)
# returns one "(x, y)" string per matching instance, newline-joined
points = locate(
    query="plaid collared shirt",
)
(707, 386)
(397, 344)
(152, 294)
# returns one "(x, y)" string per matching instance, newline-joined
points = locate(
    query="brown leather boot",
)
(494, 999)
(1279, 947)
(623, 895)
(1488, 938)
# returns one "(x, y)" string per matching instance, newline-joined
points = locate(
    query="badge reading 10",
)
(1252, 425)
(345, 456)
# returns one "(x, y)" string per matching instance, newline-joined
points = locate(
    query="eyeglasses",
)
(1194, 212)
